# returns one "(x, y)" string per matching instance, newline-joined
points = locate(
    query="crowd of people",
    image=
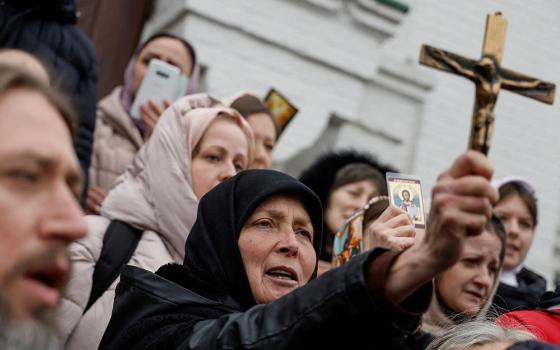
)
(193, 241)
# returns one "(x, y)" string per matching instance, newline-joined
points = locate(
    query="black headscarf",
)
(213, 266)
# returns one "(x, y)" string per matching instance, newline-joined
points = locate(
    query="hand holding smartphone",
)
(162, 81)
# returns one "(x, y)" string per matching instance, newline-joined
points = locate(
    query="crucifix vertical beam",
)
(494, 37)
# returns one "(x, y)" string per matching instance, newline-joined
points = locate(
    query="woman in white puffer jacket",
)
(196, 144)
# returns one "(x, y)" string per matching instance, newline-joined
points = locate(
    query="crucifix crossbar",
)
(489, 77)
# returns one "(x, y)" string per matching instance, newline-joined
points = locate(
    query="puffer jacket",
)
(84, 331)
(154, 195)
(543, 321)
(116, 141)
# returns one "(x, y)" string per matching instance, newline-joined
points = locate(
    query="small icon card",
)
(405, 192)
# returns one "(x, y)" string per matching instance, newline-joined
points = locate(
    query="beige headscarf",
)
(155, 193)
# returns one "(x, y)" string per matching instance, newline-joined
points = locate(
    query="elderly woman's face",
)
(276, 244)
(467, 285)
(166, 49)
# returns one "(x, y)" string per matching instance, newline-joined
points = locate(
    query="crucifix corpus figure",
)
(489, 78)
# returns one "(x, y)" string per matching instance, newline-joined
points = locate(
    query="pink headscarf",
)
(155, 193)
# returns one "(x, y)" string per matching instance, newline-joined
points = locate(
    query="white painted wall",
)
(341, 57)
(526, 134)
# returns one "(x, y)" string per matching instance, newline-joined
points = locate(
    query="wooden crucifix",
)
(489, 78)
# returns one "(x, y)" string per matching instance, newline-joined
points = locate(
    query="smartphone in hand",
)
(162, 81)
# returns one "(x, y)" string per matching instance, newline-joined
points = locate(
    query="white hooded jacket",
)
(155, 195)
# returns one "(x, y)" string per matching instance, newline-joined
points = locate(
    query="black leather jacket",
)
(336, 310)
(208, 303)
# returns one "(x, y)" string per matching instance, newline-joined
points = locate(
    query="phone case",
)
(160, 82)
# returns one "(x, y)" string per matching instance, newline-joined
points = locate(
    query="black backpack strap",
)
(119, 244)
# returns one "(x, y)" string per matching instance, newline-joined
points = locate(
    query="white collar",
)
(509, 277)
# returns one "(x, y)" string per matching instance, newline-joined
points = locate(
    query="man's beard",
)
(36, 333)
